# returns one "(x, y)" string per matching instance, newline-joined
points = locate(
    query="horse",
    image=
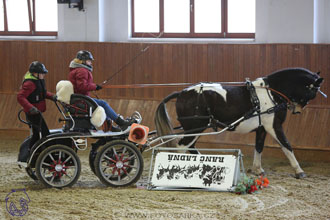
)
(263, 104)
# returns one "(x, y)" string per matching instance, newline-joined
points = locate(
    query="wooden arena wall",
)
(170, 63)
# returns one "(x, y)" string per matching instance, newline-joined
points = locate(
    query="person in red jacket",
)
(31, 97)
(82, 80)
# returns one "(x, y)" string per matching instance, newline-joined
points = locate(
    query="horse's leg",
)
(190, 143)
(278, 134)
(287, 149)
(260, 140)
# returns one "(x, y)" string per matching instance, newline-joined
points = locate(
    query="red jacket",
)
(26, 89)
(82, 80)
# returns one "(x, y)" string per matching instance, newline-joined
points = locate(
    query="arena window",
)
(28, 17)
(193, 18)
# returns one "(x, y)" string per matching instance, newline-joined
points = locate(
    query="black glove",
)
(98, 87)
(54, 98)
(34, 111)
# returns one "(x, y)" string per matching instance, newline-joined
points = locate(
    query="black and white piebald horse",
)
(263, 103)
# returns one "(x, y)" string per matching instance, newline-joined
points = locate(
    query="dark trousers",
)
(39, 126)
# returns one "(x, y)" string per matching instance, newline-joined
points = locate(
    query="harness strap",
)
(210, 116)
(199, 94)
(254, 98)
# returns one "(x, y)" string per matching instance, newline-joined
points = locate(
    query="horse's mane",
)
(292, 73)
(293, 70)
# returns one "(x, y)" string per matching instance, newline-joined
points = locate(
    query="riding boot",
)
(115, 128)
(124, 123)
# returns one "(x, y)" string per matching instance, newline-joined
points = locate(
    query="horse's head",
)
(306, 90)
(299, 85)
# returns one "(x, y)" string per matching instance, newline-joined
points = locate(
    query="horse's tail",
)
(162, 120)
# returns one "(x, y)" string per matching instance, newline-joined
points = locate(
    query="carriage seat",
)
(86, 113)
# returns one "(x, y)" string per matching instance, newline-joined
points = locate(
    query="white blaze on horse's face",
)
(216, 87)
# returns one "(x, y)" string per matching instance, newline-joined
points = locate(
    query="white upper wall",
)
(284, 21)
(75, 25)
(116, 20)
(277, 21)
(322, 21)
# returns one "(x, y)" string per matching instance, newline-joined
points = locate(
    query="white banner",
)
(177, 170)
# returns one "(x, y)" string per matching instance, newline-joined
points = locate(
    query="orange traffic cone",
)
(138, 133)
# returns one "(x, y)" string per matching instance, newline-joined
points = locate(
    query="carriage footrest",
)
(109, 133)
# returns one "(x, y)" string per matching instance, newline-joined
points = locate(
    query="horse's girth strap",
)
(254, 98)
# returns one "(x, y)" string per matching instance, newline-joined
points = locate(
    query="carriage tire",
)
(58, 166)
(31, 172)
(125, 169)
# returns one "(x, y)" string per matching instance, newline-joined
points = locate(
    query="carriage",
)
(53, 160)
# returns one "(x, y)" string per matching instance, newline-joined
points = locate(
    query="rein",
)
(135, 86)
(277, 92)
(159, 85)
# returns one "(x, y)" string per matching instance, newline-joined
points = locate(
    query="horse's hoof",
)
(300, 175)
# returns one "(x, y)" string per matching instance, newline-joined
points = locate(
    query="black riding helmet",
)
(37, 67)
(84, 55)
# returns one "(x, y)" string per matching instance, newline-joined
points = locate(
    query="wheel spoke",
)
(112, 160)
(134, 167)
(123, 153)
(67, 159)
(104, 168)
(128, 159)
(108, 176)
(51, 157)
(114, 170)
(115, 153)
(52, 179)
(47, 164)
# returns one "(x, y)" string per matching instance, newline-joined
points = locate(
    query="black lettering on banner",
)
(208, 159)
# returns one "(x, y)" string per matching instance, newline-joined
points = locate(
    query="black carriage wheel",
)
(118, 163)
(31, 172)
(58, 166)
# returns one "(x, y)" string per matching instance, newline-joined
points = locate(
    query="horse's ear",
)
(318, 82)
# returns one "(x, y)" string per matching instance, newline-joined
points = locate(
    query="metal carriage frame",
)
(53, 160)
